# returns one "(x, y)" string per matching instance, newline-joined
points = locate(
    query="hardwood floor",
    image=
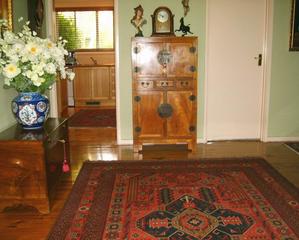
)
(25, 223)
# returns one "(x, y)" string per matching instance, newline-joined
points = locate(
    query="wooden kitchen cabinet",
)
(31, 164)
(94, 86)
(82, 85)
(164, 73)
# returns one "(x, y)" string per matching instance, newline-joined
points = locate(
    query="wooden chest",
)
(164, 73)
(31, 164)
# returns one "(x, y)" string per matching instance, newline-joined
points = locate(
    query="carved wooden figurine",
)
(138, 21)
(186, 7)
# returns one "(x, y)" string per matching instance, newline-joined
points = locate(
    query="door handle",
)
(260, 59)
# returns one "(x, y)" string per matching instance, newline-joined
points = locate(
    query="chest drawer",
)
(165, 84)
(144, 84)
(184, 84)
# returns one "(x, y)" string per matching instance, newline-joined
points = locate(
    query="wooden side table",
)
(31, 164)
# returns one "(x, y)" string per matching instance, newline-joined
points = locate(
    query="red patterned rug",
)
(93, 118)
(180, 200)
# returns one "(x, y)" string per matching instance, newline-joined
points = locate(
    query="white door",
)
(236, 31)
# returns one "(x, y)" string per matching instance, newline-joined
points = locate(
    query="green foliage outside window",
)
(86, 29)
(68, 31)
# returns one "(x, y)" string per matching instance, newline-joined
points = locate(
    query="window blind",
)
(86, 29)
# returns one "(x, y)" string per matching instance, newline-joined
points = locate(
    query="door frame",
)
(49, 12)
(266, 71)
(117, 81)
(53, 92)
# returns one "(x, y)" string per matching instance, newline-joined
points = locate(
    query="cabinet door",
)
(148, 124)
(145, 61)
(101, 85)
(183, 61)
(83, 84)
(182, 122)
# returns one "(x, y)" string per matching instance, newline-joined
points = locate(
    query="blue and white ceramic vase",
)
(31, 109)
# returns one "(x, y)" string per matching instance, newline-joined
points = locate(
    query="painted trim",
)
(201, 140)
(206, 83)
(130, 142)
(267, 70)
(117, 77)
(50, 33)
(266, 77)
(53, 101)
(125, 142)
(233, 139)
(282, 139)
(8, 125)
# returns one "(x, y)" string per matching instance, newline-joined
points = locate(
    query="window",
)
(86, 29)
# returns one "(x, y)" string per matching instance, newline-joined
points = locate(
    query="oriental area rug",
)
(93, 118)
(223, 199)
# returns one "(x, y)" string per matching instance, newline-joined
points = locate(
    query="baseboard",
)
(130, 142)
(201, 140)
(8, 125)
(282, 139)
(124, 142)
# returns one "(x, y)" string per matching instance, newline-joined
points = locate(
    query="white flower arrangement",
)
(29, 63)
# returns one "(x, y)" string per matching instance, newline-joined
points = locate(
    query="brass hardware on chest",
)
(192, 98)
(146, 84)
(184, 83)
(136, 69)
(192, 68)
(192, 128)
(164, 57)
(137, 98)
(192, 49)
(165, 110)
(136, 50)
(165, 84)
(138, 129)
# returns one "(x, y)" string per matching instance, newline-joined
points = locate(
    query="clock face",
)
(162, 22)
(162, 16)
